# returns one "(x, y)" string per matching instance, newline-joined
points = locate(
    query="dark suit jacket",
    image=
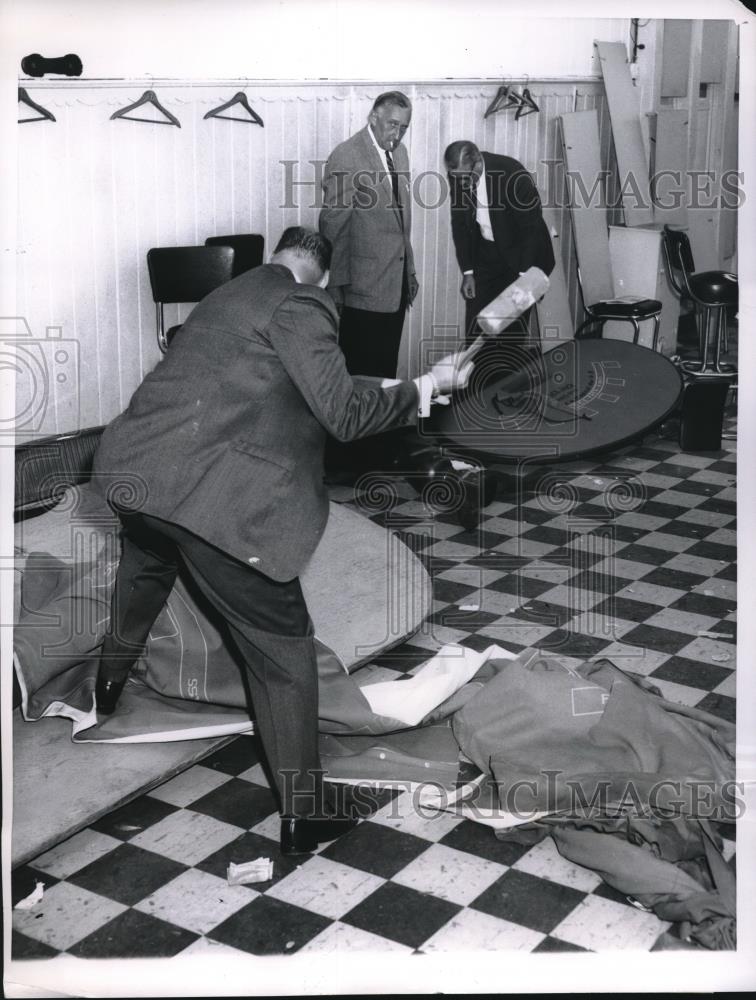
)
(519, 231)
(359, 217)
(227, 433)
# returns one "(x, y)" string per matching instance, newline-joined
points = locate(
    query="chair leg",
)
(655, 338)
(636, 330)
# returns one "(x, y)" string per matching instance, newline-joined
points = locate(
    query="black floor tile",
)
(133, 818)
(541, 613)
(674, 578)
(704, 604)
(246, 847)
(728, 572)
(696, 488)
(480, 840)
(717, 506)
(127, 874)
(626, 533)
(720, 705)
(663, 640)
(238, 802)
(531, 515)
(551, 944)
(644, 554)
(25, 947)
(626, 609)
(268, 926)
(451, 591)
(712, 550)
(606, 891)
(687, 529)
(680, 670)
(402, 658)
(479, 539)
(547, 536)
(377, 849)
(520, 585)
(24, 881)
(401, 914)
(573, 643)
(599, 583)
(238, 756)
(501, 562)
(134, 935)
(527, 900)
(655, 508)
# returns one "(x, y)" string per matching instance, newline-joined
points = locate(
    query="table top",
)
(579, 398)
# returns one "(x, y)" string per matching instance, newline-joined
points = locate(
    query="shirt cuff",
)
(468, 272)
(426, 386)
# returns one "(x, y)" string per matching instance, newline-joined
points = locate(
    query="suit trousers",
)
(268, 624)
(370, 340)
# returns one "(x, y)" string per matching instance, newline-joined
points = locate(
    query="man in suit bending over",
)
(226, 438)
(497, 226)
(366, 215)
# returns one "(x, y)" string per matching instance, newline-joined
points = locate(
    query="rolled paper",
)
(516, 299)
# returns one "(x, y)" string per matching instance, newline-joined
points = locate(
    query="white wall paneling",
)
(95, 195)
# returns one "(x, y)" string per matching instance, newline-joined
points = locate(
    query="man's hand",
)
(468, 286)
(413, 288)
(452, 372)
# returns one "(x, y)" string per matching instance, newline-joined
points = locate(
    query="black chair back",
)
(188, 274)
(678, 256)
(248, 250)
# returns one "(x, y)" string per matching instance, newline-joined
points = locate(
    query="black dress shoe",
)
(301, 836)
(107, 693)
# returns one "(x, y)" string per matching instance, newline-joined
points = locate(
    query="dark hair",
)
(391, 98)
(306, 243)
(460, 150)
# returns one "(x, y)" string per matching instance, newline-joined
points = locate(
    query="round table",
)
(579, 398)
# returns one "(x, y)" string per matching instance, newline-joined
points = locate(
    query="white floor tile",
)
(471, 931)
(694, 564)
(187, 837)
(405, 814)
(666, 542)
(604, 925)
(710, 651)
(255, 774)
(545, 861)
(326, 887)
(338, 937)
(190, 785)
(650, 593)
(453, 875)
(75, 853)
(686, 622)
(65, 915)
(197, 901)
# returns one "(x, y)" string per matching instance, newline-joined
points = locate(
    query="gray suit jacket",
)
(226, 435)
(370, 244)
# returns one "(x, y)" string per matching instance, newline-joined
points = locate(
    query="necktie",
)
(394, 180)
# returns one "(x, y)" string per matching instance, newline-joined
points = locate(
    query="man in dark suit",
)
(225, 439)
(497, 226)
(367, 215)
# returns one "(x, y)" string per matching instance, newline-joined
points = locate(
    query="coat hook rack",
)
(43, 113)
(148, 97)
(238, 99)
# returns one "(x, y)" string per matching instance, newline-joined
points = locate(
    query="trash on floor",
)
(32, 899)
(259, 870)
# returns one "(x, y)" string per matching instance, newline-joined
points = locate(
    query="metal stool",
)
(712, 292)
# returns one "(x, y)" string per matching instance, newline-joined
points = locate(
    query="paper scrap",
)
(259, 870)
(32, 899)
(721, 657)
(713, 635)
(411, 700)
(469, 607)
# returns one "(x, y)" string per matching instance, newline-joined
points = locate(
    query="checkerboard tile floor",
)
(632, 557)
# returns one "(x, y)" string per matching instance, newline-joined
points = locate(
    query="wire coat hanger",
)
(239, 98)
(148, 97)
(44, 114)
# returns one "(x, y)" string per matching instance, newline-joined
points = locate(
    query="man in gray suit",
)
(226, 439)
(367, 215)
